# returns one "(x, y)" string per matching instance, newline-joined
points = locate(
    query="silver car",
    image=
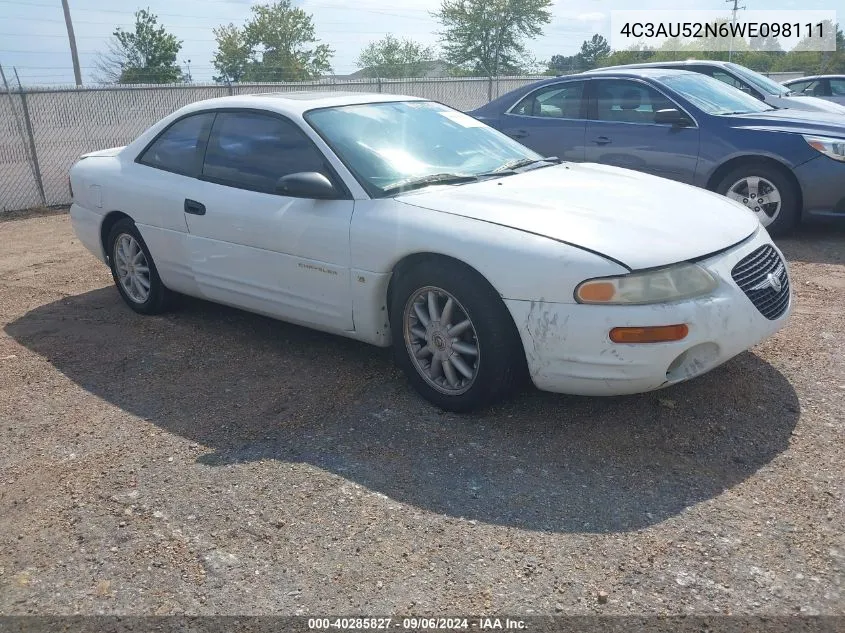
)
(750, 82)
(828, 87)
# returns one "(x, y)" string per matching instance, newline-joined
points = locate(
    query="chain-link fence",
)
(44, 131)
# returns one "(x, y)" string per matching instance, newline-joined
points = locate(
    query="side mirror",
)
(306, 184)
(752, 93)
(671, 116)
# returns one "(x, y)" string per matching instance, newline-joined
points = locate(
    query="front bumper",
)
(822, 181)
(569, 350)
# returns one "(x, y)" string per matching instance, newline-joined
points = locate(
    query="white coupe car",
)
(399, 221)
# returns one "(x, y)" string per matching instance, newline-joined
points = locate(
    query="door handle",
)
(602, 140)
(518, 133)
(194, 207)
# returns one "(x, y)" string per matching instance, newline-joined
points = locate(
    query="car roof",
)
(813, 78)
(629, 71)
(296, 103)
(622, 71)
(679, 63)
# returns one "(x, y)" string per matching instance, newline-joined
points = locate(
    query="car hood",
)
(798, 121)
(639, 220)
(806, 102)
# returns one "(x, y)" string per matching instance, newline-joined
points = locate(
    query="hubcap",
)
(758, 194)
(441, 340)
(133, 270)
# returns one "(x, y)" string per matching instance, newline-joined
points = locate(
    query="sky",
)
(33, 38)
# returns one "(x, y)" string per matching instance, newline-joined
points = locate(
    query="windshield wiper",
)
(522, 162)
(425, 181)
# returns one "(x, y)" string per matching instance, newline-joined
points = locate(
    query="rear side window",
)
(179, 148)
(252, 151)
(557, 101)
(837, 87)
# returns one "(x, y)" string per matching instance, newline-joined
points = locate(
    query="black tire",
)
(159, 296)
(501, 359)
(790, 210)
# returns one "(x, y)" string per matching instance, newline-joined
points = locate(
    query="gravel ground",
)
(213, 461)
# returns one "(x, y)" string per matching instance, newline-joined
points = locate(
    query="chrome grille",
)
(762, 277)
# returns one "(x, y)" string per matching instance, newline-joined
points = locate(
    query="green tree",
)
(594, 51)
(145, 55)
(565, 64)
(233, 54)
(769, 44)
(816, 62)
(636, 54)
(278, 43)
(486, 37)
(392, 57)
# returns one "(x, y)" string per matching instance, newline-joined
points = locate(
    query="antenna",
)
(736, 8)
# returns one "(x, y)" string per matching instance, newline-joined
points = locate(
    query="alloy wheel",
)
(133, 269)
(758, 194)
(441, 340)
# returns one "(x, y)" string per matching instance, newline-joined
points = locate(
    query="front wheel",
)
(767, 192)
(134, 271)
(453, 336)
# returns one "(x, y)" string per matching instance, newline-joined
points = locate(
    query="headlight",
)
(833, 147)
(655, 286)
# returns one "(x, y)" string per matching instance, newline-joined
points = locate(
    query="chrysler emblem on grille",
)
(772, 281)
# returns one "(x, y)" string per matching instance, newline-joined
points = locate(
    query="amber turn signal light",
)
(653, 334)
(596, 292)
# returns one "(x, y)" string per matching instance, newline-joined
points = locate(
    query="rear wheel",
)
(767, 192)
(453, 336)
(134, 271)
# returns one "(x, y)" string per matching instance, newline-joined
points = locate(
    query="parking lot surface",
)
(213, 461)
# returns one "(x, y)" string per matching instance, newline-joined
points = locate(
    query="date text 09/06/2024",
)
(416, 624)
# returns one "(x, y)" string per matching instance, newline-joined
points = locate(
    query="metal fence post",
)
(379, 84)
(35, 173)
(36, 166)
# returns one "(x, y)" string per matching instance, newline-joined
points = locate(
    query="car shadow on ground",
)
(252, 388)
(816, 241)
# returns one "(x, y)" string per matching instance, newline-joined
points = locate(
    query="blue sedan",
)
(685, 126)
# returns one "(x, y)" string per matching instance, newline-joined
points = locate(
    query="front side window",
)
(179, 148)
(252, 151)
(799, 86)
(761, 82)
(725, 78)
(558, 101)
(387, 145)
(623, 101)
(814, 89)
(713, 96)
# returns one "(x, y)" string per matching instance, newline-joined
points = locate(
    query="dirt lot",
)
(212, 461)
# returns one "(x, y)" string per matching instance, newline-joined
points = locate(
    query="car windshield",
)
(394, 146)
(759, 81)
(713, 96)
